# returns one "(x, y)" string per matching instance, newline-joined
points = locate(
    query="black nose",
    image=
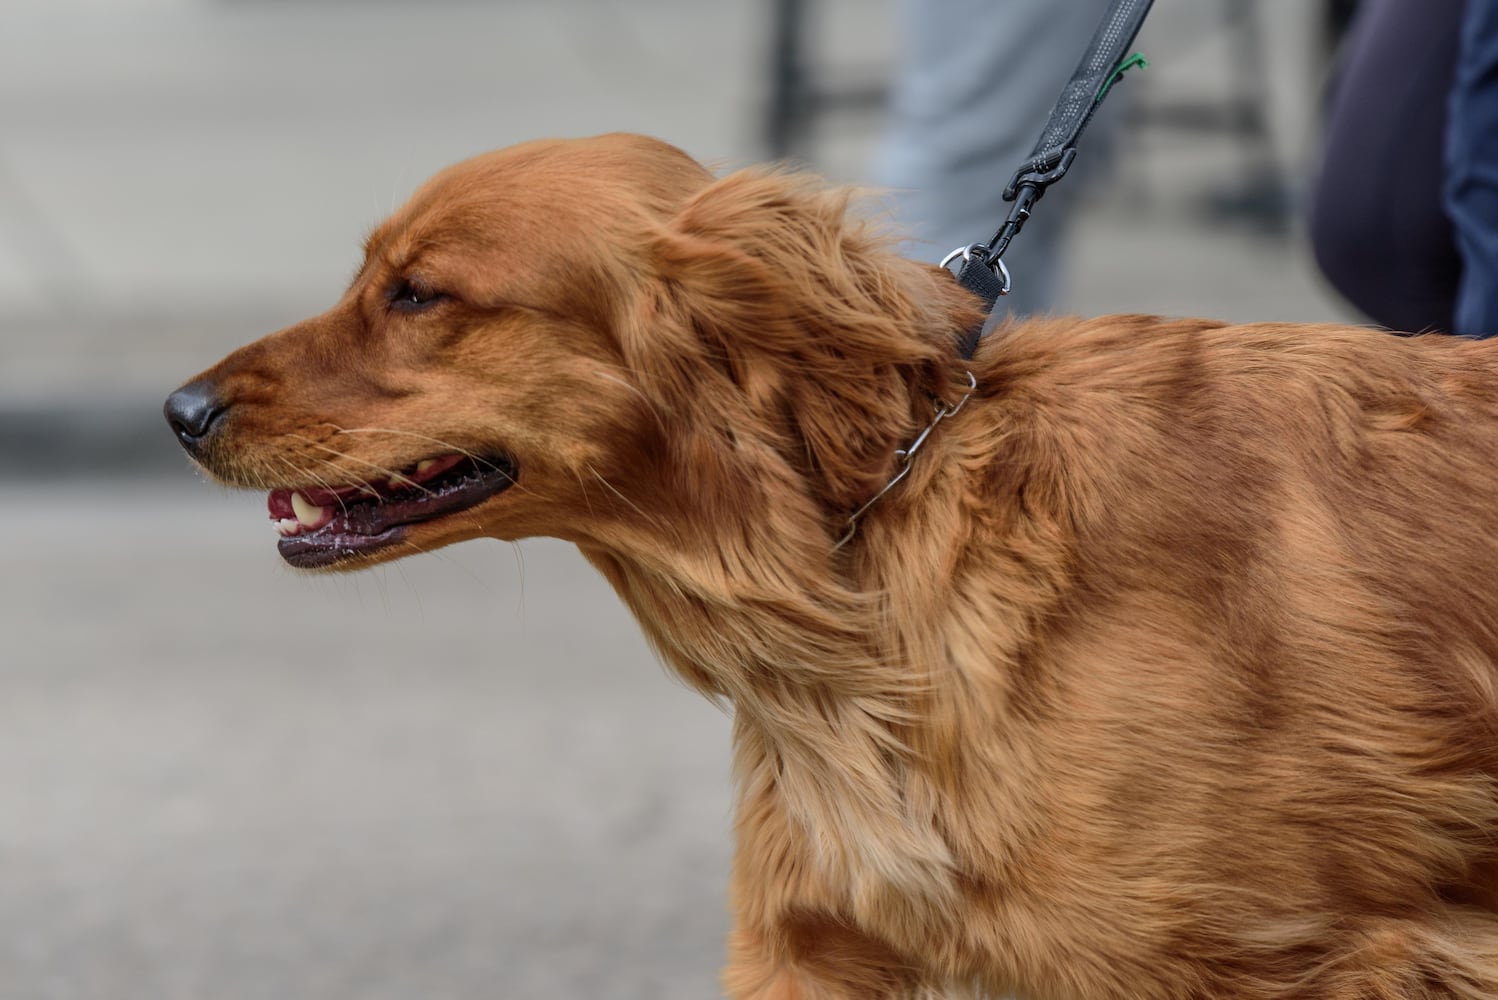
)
(193, 411)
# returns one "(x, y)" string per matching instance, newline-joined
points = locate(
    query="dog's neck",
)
(831, 661)
(822, 706)
(725, 557)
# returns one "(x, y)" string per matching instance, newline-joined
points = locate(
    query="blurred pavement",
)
(461, 776)
(450, 779)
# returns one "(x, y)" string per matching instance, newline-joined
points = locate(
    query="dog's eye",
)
(410, 294)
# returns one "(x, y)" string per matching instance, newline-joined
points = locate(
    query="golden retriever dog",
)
(1170, 670)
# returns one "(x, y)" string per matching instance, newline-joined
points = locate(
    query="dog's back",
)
(1251, 712)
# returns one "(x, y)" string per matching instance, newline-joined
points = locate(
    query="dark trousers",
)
(1404, 214)
(1378, 228)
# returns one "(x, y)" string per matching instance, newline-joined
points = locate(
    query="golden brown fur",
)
(1171, 671)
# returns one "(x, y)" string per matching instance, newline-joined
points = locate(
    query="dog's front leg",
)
(815, 958)
(789, 940)
(798, 931)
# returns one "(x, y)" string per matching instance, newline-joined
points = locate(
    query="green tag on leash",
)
(1137, 59)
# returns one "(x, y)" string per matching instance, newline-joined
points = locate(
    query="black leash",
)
(983, 272)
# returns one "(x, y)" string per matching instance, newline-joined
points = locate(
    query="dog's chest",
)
(838, 836)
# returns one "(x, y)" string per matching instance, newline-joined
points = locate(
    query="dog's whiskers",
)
(582, 485)
(395, 477)
(455, 449)
(520, 571)
(307, 473)
(438, 553)
(630, 503)
(361, 486)
(650, 404)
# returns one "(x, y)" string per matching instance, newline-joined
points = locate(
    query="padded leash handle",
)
(1105, 60)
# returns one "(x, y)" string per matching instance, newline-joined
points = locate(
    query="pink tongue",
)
(279, 503)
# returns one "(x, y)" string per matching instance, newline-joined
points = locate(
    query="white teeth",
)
(287, 526)
(425, 464)
(309, 514)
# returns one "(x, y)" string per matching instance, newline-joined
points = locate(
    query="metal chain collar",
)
(905, 455)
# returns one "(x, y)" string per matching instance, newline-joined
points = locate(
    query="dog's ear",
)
(772, 309)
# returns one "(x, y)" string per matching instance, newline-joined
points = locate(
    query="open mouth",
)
(319, 527)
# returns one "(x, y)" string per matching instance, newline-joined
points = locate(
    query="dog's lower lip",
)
(365, 520)
(312, 551)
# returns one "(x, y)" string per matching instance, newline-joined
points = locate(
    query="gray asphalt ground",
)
(462, 776)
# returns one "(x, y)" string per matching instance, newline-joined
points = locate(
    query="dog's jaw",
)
(321, 529)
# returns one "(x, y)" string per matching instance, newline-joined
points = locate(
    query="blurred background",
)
(461, 776)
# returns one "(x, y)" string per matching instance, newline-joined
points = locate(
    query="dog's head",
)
(589, 339)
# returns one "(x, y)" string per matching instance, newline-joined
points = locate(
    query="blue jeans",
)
(1472, 170)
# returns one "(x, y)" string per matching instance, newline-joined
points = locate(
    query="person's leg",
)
(1378, 227)
(1472, 169)
(978, 79)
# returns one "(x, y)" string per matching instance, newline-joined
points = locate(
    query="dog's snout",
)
(193, 412)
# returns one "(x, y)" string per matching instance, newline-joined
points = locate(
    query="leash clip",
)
(981, 252)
